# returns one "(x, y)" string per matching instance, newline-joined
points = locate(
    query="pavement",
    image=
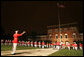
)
(30, 52)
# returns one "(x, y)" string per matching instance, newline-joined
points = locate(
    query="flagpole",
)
(59, 20)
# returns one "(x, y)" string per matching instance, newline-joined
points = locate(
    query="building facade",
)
(66, 33)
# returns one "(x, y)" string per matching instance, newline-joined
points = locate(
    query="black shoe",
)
(13, 54)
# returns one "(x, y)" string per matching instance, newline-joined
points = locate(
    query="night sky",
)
(37, 15)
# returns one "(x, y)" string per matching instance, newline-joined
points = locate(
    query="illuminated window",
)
(73, 28)
(61, 36)
(50, 36)
(66, 36)
(56, 36)
(61, 29)
(74, 35)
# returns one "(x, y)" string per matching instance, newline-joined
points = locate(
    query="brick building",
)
(69, 33)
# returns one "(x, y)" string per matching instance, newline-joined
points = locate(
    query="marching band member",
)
(80, 46)
(6, 42)
(75, 46)
(22, 43)
(68, 45)
(51, 44)
(9, 42)
(39, 44)
(63, 46)
(31, 43)
(28, 43)
(54, 45)
(35, 44)
(2, 42)
(58, 45)
(47, 44)
(43, 44)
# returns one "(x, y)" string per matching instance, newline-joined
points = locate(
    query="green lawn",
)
(6, 48)
(66, 52)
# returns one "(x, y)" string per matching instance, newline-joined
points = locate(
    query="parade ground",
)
(32, 51)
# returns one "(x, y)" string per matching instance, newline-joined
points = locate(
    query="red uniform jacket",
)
(68, 44)
(49, 43)
(29, 42)
(22, 42)
(39, 43)
(35, 43)
(75, 45)
(72, 44)
(63, 44)
(43, 43)
(26, 43)
(32, 42)
(58, 43)
(16, 37)
(80, 45)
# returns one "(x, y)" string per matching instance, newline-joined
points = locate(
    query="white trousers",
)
(54, 46)
(69, 47)
(1, 43)
(14, 48)
(75, 48)
(28, 45)
(35, 45)
(80, 48)
(58, 47)
(31, 45)
(42, 46)
(39, 46)
(5, 43)
(47, 46)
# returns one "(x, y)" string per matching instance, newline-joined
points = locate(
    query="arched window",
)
(56, 35)
(66, 36)
(74, 35)
(61, 36)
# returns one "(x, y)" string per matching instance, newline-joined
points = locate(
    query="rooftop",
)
(63, 25)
